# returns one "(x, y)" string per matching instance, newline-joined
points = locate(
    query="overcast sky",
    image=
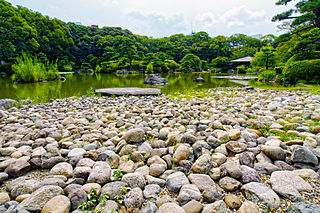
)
(166, 17)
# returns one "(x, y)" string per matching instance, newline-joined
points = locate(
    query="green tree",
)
(266, 57)
(190, 61)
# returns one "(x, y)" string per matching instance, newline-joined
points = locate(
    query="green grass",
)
(315, 88)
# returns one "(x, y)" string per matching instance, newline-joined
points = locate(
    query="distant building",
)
(96, 26)
(242, 61)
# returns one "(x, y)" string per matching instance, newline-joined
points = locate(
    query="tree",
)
(221, 62)
(306, 13)
(265, 58)
(190, 61)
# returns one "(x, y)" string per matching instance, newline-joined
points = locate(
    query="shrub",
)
(241, 69)
(306, 70)
(267, 75)
(149, 68)
(279, 69)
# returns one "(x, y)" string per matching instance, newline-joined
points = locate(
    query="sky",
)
(166, 17)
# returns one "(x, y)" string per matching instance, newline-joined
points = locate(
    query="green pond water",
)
(78, 85)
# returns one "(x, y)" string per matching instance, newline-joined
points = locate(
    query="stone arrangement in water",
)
(246, 151)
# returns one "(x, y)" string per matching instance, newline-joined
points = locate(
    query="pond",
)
(78, 85)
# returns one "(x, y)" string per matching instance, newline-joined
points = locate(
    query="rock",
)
(100, 173)
(175, 181)
(218, 158)
(222, 135)
(229, 184)
(234, 134)
(18, 167)
(217, 207)
(233, 169)
(151, 191)
(249, 175)
(247, 158)
(134, 180)
(232, 201)
(87, 187)
(212, 194)
(201, 181)
(4, 197)
(62, 169)
(134, 135)
(40, 197)
(306, 173)
(53, 181)
(181, 153)
(21, 198)
(113, 189)
(58, 204)
(274, 152)
(157, 169)
(199, 80)
(77, 197)
(303, 155)
(283, 165)
(134, 198)
(303, 207)
(236, 146)
(155, 79)
(203, 164)
(153, 180)
(67, 121)
(189, 192)
(248, 207)
(150, 207)
(262, 193)
(265, 168)
(77, 152)
(289, 184)
(7, 103)
(81, 172)
(192, 207)
(170, 208)
(23, 187)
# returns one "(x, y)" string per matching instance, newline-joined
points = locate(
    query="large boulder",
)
(155, 79)
(100, 173)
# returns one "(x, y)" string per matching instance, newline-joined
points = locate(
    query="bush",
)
(28, 69)
(241, 69)
(149, 68)
(268, 75)
(6, 67)
(304, 56)
(306, 70)
(279, 69)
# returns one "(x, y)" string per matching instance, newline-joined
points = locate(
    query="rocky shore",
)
(231, 151)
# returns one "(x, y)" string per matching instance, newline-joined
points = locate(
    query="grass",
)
(29, 70)
(315, 88)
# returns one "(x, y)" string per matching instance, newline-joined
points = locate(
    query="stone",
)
(175, 181)
(150, 207)
(229, 184)
(218, 158)
(274, 152)
(233, 169)
(129, 91)
(303, 207)
(265, 168)
(232, 201)
(249, 175)
(23, 187)
(170, 208)
(100, 173)
(134, 198)
(202, 181)
(199, 80)
(181, 153)
(217, 207)
(77, 197)
(247, 158)
(74, 153)
(222, 135)
(155, 79)
(202, 164)
(151, 191)
(153, 180)
(108, 206)
(7, 103)
(306, 173)
(87, 187)
(189, 192)
(234, 134)
(81, 172)
(236, 146)
(157, 169)
(134, 135)
(113, 189)
(248, 207)
(37, 200)
(57, 204)
(212, 194)
(263, 193)
(67, 121)
(18, 167)
(193, 207)
(21, 198)
(289, 185)
(62, 169)
(4, 197)
(134, 180)
(53, 181)
(303, 155)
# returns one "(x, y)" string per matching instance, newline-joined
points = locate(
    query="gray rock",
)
(134, 180)
(134, 198)
(189, 192)
(155, 79)
(201, 181)
(53, 181)
(233, 169)
(303, 207)
(203, 164)
(100, 173)
(40, 197)
(218, 207)
(81, 172)
(229, 184)
(134, 135)
(113, 189)
(58, 204)
(303, 155)
(4, 197)
(150, 207)
(175, 181)
(77, 197)
(274, 152)
(170, 208)
(288, 184)
(3, 176)
(258, 191)
(212, 194)
(249, 175)
(7, 103)
(153, 180)
(193, 207)
(24, 187)
(18, 167)
(151, 191)
(247, 158)
(62, 169)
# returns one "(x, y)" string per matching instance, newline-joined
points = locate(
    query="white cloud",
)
(205, 20)
(109, 3)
